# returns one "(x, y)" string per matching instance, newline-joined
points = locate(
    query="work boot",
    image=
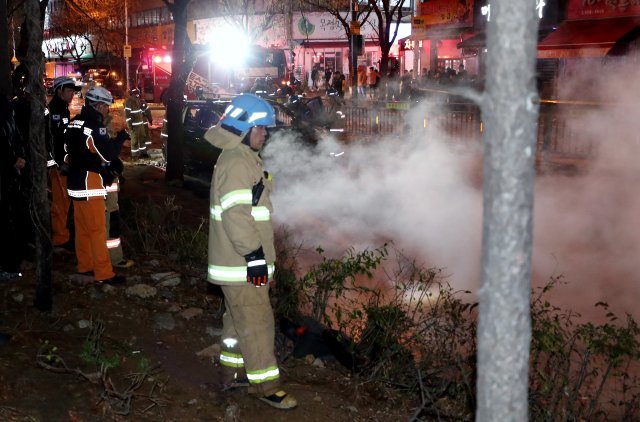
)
(280, 400)
(125, 263)
(67, 247)
(113, 281)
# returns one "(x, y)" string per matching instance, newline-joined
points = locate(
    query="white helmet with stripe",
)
(98, 94)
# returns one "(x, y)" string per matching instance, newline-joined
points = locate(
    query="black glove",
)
(116, 166)
(122, 136)
(257, 271)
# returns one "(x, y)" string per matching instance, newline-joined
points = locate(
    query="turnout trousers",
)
(114, 244)
(248, 335)
(91, 237)
(59, 207)
(138, 140)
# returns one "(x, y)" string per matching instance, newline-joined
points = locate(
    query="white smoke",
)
(423, 191)
(586, 226)
(412, 189)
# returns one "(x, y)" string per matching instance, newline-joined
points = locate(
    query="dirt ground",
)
(167, 330)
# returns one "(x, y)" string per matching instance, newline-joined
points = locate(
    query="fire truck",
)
(153, 75)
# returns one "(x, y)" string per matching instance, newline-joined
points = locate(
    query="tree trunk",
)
(39, 206)
(509, 110)
(5, 54)
(175, 154)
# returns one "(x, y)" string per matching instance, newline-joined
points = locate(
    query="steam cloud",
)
(423, 191)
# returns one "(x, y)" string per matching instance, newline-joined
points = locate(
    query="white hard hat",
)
(63, 82)
(98, 94)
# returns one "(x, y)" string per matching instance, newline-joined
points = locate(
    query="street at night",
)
(367, 211)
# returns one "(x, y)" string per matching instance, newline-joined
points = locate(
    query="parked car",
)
(307, 123)
(105, 78)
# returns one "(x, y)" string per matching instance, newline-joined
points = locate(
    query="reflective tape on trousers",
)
(269, 374)
(113, 243)
(234, 274)
(260, 213)
(231, 359)
(87, 193)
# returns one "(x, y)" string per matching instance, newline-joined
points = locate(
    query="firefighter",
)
(57, 119)
(114, 225)
(241, 249)
(136, 113)
(90, 153)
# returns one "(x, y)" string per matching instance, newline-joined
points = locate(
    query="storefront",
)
(323, 44)
(592, 30)
(440, 26)
(474, 47)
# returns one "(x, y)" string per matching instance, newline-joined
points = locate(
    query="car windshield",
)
(202, 116)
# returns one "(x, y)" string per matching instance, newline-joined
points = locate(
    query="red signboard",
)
(447, 12)
(596, 9)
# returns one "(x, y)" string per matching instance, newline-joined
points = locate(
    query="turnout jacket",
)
(237, 227)
(136, 112)
(57, 118)
(90, 153)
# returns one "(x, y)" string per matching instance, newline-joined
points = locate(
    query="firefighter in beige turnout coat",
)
(241, 247)
(138, 118)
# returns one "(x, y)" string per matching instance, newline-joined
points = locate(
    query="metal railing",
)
(557, 131)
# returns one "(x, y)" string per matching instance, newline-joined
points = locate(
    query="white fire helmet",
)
(98, 94)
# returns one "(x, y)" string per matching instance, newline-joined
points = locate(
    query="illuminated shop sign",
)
(595, 9)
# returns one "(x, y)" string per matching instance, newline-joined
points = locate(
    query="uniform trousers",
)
(91, 238)
(138, 139)
(59, 207)
(248, 318)
(114, 244)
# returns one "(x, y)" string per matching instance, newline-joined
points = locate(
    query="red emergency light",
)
(160, 59)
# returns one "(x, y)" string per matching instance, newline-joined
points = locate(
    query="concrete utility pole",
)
(510, 114)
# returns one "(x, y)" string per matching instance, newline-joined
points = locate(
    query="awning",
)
(477, 41)
(480, 39)
(586, 38)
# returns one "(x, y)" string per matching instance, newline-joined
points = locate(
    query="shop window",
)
(372, 58)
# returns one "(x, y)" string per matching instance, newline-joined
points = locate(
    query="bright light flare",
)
(230, 46)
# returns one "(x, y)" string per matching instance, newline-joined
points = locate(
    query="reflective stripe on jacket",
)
(236, 226)
(136, 111)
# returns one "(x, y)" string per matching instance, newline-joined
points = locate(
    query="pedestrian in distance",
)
(241, 248)
(90, 156)
(57, 118)
(314, 79)
(372, 81)
(362, 80)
